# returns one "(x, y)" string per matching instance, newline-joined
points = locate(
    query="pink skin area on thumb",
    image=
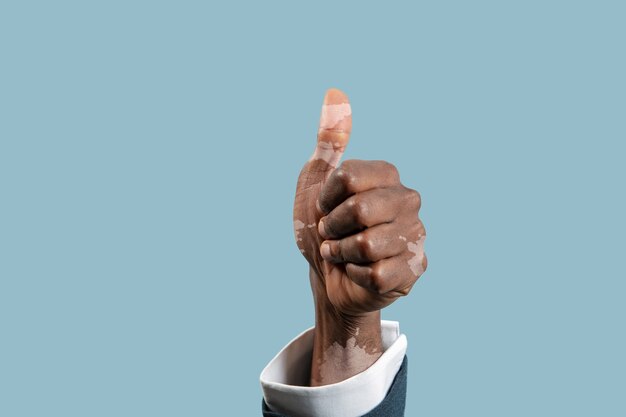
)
(336, 118)
(334, 127)
(333, 115)
(327, 152)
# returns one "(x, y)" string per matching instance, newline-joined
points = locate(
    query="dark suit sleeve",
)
(391, 406)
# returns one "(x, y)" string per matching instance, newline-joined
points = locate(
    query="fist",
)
(355, 223)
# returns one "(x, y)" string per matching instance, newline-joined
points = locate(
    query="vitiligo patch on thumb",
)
(333, 114)
(334, 130)
(327, 152)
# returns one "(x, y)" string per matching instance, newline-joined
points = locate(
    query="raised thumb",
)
(334, 129)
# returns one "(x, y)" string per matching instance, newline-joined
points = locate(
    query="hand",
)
(356, 225)
(359, 230)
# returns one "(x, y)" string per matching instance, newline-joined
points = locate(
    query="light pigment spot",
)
(339, 360)
(326, 152)
(402, 238)
(332, 114)
(415, 263)
(297, 226)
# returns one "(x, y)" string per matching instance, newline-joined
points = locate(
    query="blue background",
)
(148, 159)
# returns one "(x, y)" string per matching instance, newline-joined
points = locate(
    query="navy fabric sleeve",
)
(391, 406)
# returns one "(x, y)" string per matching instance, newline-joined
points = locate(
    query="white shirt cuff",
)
(284, 380)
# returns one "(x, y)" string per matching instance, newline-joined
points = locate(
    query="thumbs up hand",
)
(355, 223)
(359, 230)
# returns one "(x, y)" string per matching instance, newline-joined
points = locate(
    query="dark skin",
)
(358, 228)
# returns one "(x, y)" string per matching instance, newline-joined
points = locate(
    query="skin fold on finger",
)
(387, 275)
(355, 176)
(371, 245)
(362, 210)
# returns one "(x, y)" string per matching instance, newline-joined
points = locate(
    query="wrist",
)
(344, 344)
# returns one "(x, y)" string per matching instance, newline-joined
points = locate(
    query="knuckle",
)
(421, 230)
(340, 173)
(391, 169)
(360, 209)
(346, 174)
(416, 230)
(365, 246)
(377, 280)
(414, 198)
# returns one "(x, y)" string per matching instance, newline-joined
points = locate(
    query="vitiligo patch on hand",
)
(327, 152)
(334, 130)
(415, 263)
(333, 114)
(298, 225)
(334, 366)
